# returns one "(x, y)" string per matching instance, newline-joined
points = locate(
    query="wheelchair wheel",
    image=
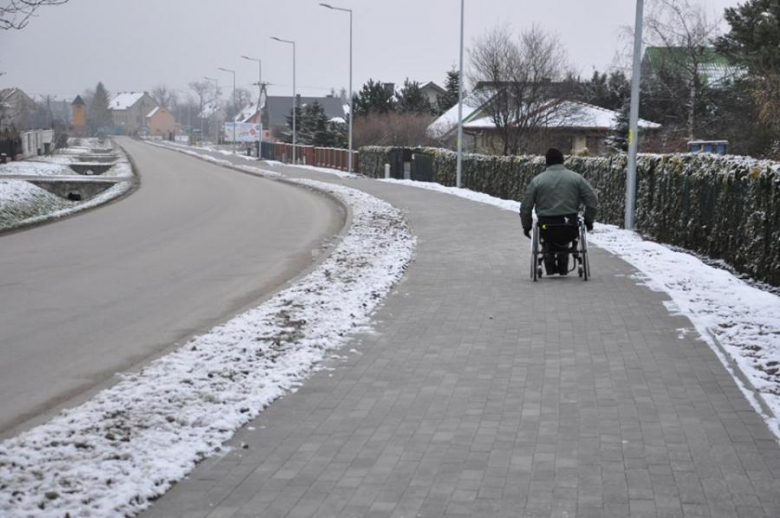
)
(536, 271)
(585, 267)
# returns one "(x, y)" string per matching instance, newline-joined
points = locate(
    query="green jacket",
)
(557, 192)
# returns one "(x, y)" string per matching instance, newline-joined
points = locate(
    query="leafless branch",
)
(16, 14)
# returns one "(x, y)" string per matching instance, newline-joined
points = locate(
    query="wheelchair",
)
(550, 240)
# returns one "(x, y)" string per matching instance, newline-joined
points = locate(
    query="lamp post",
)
(459, 169)
(634, 119)
(259, 99)
(328, 6)
(235, 107)
(295, 95)
(216, 92)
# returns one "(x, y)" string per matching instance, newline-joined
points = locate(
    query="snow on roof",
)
(209, 109)
(124, 100)
(246, 113)
(156, 109)
(571, 115)
(449, 119)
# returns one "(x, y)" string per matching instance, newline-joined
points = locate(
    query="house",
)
(571, 126)
(160, 122)
(278, 108)
(129, 111)
(16, 109)
(432, 92)
(714, 68)
(78, 127)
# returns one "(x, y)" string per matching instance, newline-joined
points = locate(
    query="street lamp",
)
(633, 124)
(459, 169)
(259, 99)
(295, 94)
(328, 6)
(216, 92)
(235, 107)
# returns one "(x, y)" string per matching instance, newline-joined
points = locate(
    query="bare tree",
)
(165, 97)
(685, 33)
(517, 83)
(201, 90)
(16, 14)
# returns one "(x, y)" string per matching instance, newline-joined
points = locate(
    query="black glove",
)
(527, 232)
(589, 226)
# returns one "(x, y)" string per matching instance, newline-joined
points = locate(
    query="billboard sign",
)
(245, 132)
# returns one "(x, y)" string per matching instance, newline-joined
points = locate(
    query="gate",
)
(422, 167)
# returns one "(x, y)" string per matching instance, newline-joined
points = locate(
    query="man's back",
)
(558, 192)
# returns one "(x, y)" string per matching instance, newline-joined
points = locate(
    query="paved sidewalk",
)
(483, 394)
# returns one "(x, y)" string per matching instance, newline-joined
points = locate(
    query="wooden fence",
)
(332, 158)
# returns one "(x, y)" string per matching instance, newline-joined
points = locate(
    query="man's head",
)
(553, 157)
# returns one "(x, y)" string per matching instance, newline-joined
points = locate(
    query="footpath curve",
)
(484, 394)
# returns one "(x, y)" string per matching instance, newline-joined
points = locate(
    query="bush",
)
(724, 207)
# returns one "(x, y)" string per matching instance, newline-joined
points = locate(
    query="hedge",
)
(723, 207)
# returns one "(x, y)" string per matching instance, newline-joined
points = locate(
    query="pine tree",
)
(412, 100)
(98, 115)
(450, 97)
(754, 43)
(373, 97)
(619, 138)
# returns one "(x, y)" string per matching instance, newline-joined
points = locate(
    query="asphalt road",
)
(87, 297)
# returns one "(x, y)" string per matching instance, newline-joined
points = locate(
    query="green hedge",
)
(723, 207)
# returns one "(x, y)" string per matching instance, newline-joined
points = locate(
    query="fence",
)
(332, 158)
(723, 207)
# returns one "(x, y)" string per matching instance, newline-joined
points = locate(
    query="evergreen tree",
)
(98, 115)
(619, 138)
(373, 97)
(754, 43)
(313, 127)
(412, 100)
(450, 97)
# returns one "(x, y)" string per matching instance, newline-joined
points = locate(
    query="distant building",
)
(571, 126)
(129, 111)
(16, 109)
(714, 68)
(78, 126)
(432, 92)
(160, 122)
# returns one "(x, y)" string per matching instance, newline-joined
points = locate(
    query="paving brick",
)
(481, 393)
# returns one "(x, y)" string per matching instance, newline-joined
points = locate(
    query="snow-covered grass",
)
(743, 319)
(22, 202)
(114, 454)
(35, 168)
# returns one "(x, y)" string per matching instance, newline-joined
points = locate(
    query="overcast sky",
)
(134, 45)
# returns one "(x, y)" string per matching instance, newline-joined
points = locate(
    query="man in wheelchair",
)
(557, 195)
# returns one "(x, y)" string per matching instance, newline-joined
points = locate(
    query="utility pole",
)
(633, 132)
(351, 117)
(459, 169)
(235, 107)
(259, 101)
(295, 96)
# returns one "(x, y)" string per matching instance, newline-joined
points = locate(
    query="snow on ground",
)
(22, 202)
(743, 319)
(326, 170)
(114, 454)
(34, 169)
